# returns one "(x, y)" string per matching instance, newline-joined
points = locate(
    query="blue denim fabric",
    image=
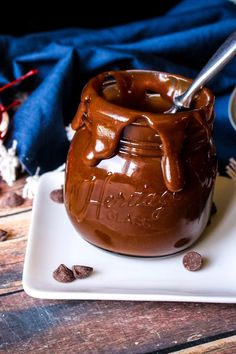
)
(180, 41)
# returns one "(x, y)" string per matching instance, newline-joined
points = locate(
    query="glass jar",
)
(139, 181)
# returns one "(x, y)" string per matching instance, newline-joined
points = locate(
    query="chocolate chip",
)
(13, 200)
(57, 195)
(192, 261)
(3, 235)
(81, 271)
(63, 274)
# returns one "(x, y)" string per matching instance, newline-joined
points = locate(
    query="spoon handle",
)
(221, 57)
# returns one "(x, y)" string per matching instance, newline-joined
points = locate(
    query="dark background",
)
(18, 18)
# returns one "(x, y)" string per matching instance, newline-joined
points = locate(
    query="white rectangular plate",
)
(53, 240)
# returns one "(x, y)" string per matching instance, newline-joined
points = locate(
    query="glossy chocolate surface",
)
(139, 181)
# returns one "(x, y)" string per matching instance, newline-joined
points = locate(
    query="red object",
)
(7, 108)
(16, 102)
(17, 81)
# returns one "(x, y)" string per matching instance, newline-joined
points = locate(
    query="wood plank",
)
(16, 225)
(223, 346)
(107, 326)
(44, 326)
(11, 265)
(17, 188)
(12, 251)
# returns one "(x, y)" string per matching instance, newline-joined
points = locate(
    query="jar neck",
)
(140, 148)
(141, 140)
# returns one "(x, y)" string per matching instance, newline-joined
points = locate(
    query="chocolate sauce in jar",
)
(138, 180)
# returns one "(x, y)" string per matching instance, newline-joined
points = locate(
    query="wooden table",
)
(47, 326)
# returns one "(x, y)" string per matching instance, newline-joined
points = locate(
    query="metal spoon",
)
(221, 57)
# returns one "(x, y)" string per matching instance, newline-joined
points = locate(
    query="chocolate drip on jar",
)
(139, 181)
(113, 100)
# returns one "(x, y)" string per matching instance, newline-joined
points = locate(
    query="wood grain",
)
(16, 222)
(107, 326)
(16, 225)
(12, 252)
(223, 346)
(17, 188)
(43, 326)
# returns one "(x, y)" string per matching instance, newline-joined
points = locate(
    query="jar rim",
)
(203, 93)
